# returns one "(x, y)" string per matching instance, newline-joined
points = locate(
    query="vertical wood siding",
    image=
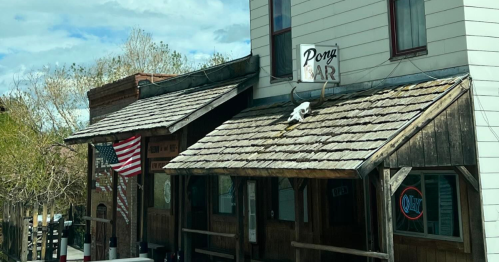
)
(361, 29)
(482, 32)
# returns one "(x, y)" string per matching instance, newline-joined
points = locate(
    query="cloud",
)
(42, 33)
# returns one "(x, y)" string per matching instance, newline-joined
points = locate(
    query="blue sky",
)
(34, 33)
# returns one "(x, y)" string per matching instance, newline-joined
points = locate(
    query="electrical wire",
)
(434, 78)
(484, 114)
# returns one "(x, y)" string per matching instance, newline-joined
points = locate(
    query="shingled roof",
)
(336, 140)
(162, 114)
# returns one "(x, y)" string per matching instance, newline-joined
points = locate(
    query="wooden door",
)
(100, 238)
(343, 221)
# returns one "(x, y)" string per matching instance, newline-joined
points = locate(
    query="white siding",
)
(482, 37)
(361, 29)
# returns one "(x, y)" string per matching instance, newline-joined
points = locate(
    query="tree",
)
(50, 104)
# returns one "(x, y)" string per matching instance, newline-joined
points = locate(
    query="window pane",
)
(287, 201)
(162, 191)
(441, 205)
(409, 205)
(225, 195)
(282, 14)
(283, 59)
(410, 24)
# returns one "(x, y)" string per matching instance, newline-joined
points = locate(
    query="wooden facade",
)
(443, 144)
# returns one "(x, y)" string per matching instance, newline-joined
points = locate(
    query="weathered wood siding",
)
(482, 39)
(449, 140)
(361, 29)
(161, 228)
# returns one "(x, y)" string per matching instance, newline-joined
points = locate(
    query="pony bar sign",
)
(318, 63)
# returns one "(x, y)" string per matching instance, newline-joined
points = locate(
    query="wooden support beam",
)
(187, 220)
(299, 186)
(90, 166)
(238, 184)
(115, 202)
(387, 222)
(398, 178)
(463, 171)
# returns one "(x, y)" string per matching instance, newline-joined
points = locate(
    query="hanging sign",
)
(162, 149)
(411, 203)
(157, 165)
(318, 63)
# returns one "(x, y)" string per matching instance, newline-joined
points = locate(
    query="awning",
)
(163, 114)
(348, 136)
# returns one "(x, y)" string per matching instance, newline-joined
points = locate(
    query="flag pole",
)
(143, 250)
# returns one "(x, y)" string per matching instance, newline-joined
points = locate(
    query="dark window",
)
(284, 209)
(341, 194)
(281, 48)
(224, 202)
(162, 191)
(408, 23)
(428, 204)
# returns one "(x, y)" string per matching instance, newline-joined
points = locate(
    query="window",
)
(281, 47)
(162, 191)
(408, 24)
(285, 208)
(428, 205)
(224, 202)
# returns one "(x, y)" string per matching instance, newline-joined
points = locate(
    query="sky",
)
(35, 33)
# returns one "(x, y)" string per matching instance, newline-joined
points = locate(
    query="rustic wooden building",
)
(169, 115)
(103, 101)
(385, 173)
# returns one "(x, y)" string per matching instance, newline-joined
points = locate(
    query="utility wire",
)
(484, 114)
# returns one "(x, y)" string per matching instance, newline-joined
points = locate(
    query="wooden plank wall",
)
(160, 228)
(448, 140)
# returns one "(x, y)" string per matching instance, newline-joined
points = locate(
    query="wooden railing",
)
(342, 250)
(210, 233)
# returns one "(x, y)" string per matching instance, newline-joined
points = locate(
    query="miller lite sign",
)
(318, 63)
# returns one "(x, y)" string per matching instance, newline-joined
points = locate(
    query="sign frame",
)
(336, 65)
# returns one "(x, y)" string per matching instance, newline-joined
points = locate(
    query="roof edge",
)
(405, 133)
(219, 73)
(166, 130)
(268, 172)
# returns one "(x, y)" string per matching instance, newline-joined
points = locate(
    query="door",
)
(344, 218)
(199, 211)
(100, 238)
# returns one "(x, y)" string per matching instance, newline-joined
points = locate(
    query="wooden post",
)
(59, 237)
(24, 245)
(386, 204)
(50, 249)
(239, 184)
(113, 241)
(187, 221)
(44, 232)
(299, 186)
(34, 233)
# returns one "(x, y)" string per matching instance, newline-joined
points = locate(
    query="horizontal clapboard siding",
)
(482, 36)
(361, 29)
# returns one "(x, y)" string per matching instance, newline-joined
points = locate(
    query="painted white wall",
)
(482, 37)
(361, 29)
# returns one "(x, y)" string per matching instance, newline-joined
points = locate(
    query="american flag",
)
(124, 156)
(103, 185)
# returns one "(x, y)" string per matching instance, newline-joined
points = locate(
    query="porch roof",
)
(348, 136)
(162, 114)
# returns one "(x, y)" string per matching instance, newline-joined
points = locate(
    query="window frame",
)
(274, 203)
(425, 218)
(395, 52)
(216, 195)
(273, 77)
